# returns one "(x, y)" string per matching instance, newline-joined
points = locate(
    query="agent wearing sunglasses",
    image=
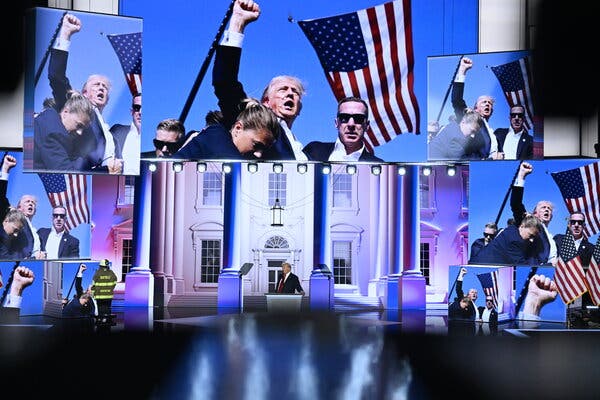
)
(168, 139)
(515, 142)
(582, 247)
(128, 138)
(352, 122)
(489, 232)
(57, 242)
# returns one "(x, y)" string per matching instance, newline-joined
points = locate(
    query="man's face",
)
(489, 234)
(136, 112)
(166, 142)
(286, 269)
(351, 123)
(59, 216)
(284, 99)
(12, 228)
(576, 224)
(489, 303)
(517, 115)
(484, 106)
(27, 205)
(472, 294)
(543, 211)
(96, 91)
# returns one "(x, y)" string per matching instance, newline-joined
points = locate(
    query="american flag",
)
(128, 47)
(593, 275)
(567, 249)
(515, 78)
(579, 188)
(369, 54)
(69, 191)
(489, 283)
(570, 279)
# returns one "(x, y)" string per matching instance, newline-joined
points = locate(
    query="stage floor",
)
(212, 354)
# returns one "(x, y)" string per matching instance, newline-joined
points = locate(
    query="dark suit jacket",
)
(507, 248)
(214, 143)
(119, 132)
(585, 251)
(524, 148)
(469, 312)
(69, 245)
(55, 149)
(482, 137)
(291, 284)
(95, 141)
(320, 151)
(477, 245)
(493, 315)
(230, 92)
(541, 243)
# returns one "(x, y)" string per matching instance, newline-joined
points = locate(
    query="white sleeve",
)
(13, 301)
(232, 39)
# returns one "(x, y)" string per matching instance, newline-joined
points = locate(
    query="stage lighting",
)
(252, 168)
(376, 169)
(278, 168)
(152, 167)
(351, 169)
(326, 169)
(201, 167)
(226, 168)
(401, 170)
(177, 167)
(302, 168)
(451, 170)
(426, 171)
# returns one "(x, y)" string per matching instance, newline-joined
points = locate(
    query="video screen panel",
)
(98, 129)
(52, 213)
(496, 86)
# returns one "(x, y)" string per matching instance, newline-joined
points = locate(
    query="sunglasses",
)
(489, 300)
(136, 107)
(172, 147)
(358, 118)
(516, 115)
(59, 216)
(488, 235)
(576, 222)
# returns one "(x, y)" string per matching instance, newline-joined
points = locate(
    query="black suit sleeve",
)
(458, 103)
(57, 75)
(516, 204)
(229, 91)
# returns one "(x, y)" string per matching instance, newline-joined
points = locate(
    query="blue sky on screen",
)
(177, 39)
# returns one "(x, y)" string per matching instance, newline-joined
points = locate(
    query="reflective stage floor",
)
(211, 354)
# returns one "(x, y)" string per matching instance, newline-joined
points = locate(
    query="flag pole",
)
(202, 72)
(45, 58)
(448, 90)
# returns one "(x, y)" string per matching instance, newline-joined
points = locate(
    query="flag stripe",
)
(369, 54)
(579, 188)
(70, 192)
(515, 80)
(489, 283)
(570, 279)
(593, 275)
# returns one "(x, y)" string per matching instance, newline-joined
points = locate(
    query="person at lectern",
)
(288, 282)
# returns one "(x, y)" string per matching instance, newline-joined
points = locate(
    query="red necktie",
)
(280, 290)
